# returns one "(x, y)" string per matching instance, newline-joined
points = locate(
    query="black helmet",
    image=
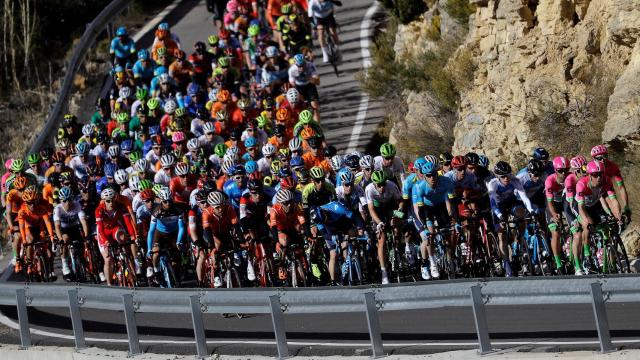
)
(330, 151)
(535, 166)
(279, 130)
(352, 161)
(472, 158)
(446, 157)
(502, 168)
(254, 185)
(540, 154)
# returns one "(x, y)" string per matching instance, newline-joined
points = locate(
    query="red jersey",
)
(286, 221)
(109, 221)
(182, 192)
(220, 227)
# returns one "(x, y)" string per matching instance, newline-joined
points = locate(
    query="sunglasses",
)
(165, 201)
(366, 169)
(237, 178)
(504, 177)
(562, 171)
(318, 181)
(182, 176)
(596, 175)
(430, 175)
(254, 193)
(108, 201)
(389, 158)
(600, 157)
(347, 184)
(209, 134)
(148, 201)
(460, 169)
(471, 168)
(269, 157)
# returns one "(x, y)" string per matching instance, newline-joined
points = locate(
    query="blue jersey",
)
(407, 185)
(469, 180)
(122, 50)
(234, 192)
(334, 211)
(341, 171)
(423, 194)
(531, 188)
(142, 72)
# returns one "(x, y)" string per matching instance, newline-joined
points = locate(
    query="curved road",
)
(350, 121)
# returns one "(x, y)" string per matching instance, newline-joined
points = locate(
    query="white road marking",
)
(365, 35)
(155, 21)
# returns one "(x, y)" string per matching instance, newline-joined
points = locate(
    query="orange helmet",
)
(30, 194)
(282, 115)
(179, 54)
(20, 183)
(307, 133)
(224, 95)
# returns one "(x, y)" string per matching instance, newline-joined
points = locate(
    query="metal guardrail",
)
(86, 42)
(278, 302)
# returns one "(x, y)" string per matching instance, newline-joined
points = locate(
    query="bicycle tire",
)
(167, 273)
(622, 254)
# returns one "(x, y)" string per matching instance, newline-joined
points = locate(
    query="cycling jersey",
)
(302, 76)
(424, 194)
(182, 191)
(356, 200)
(590, 195)
(407, 185)
(312, 197)
(612, 171)
(554, 190)
(389, 198)
(319, 9)
(500, 195)
(570, 187)
(68, 218)
(109, 222)
(38, 219)
(122, 49)
(394, 171)
(233, 191)
(531, 187)
(219, 227)
(283, 221)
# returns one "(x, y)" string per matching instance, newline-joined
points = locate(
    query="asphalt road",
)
(350, 121)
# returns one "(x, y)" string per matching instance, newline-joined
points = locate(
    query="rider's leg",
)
(64, 254)
(200, 265)
(381, 254)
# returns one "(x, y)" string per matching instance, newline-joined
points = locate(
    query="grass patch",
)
(460, 10)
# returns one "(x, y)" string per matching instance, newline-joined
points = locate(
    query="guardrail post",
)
(374, 325)
(278, 327)
(198, 327)
(602, 322)
(132, 328)
(480, 317)
(76, 319)
(23, 318)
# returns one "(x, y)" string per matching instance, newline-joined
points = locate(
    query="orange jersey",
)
(37, 218)
(220, 226)
(285, 221)
(14, 200)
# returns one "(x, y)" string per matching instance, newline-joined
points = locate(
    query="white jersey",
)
(71, 218)
(152, 158)
(356, 193)
(302, 77)
(390, 197)
(161, 177)
(319, 9)
(395, 170)
(264, 166)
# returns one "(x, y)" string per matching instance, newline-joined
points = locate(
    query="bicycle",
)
(400, 267)
(40, 267)
(332, 48)
(295, 266)
(352, 272)
(123, 271)
(538, 247)
(484, 247)
(168, 275)
(608, 252)
(79, 262)
(264, 262)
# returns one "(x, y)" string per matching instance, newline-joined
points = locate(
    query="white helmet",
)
(366, 161)
(232, 157)
(268, 149)
(227, 166)
(271, 51)
(193, 144)
(121, 177)
(284, 195)
(293, 96)
(134, 183)
(87, 129)
(164, 194)
(215, 198)
(167, 160)
(336, 162)
(295, 144)
(114, 150)
(125, 92)
(170, 107)
(209, 127)
(108, 194)
(141, 165)
(182, 169)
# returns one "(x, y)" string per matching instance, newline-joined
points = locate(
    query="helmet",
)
(143, 54)
(366, 161)
(220, 149)
(378, 177)
(17, 165)
(163, 78)
(263, 122)
(459, 161)
(58, 157)
(164, 194)
(336, 162)
(387, 150)
(213, 40)
(243, 104)
(472, 158)
(446, 157)
(65, 193)
(147, 194)
(223, 62)
(599, 150)
(208, 127)
(578, 162)
(223, 95)
(251, 166)
(298, 59)
(254, 30)
(167, 160)
(153, 103)
(134, 183)
(182, 169)
(293, 96)
(170, 106)
(535, 167)
(295, 144)
(502, 168)
(250, 142)
(540, 154)
(429, 168)
(275, 167)
(20, 183)
(483, 161)
(346, 177)
(282, 114)
(193, 144)
(417, 165)
(215, 198)
(560, 162)
(45, 153)
(316, 172)
(126, 146)
(160, 70)
(34, 159)
(122, 31)
(232, 6)
(125, 92)
(109, 170)
(113, 151)
(283, 196)
(296, 162)
(30, 194)
(87, 130)
(271, 51)
(108, 194)
(254, 185)
(177, 136)
(595, 167)
(432, 159)
(352, 161)
(163, 26)
(121, 177)
(227, 167)
(268, 149)
(156, 188)
(122, 118)
(81, 148)
(179, 54)
(141, 93)
(145, 184)
(222, 115)
(305, 116)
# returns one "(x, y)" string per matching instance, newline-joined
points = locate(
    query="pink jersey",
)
(588, 195)
(5, 176)
(570, 186)
(612, 170)
(552, 189)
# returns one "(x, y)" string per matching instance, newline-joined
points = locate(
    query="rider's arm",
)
(181, 230)
(23, 229)
(58, 229)
(152, 230)
(518, 189)
(193, 227)
(48, 225)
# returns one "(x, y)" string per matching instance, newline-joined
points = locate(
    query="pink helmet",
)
(232, 6)
(595, 167)
(578, 162)
(7, 164)
(560, 162)
(598, 150)
(177, 136)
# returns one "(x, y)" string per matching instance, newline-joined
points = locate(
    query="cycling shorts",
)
(509, 207)
(436, 215)
(162, 239)
(326, 22)
(308, 91)
(111, 236)
(73, 232)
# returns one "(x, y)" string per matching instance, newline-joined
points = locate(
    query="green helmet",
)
(378, 177)
(220, 149)
(153, 103)
(305, 116)
(145, 184)
(387, 150)
(254, 30)
(17, 165)
(316, 172)
(180, 112)
(223, 61)
(262, 121)
(213, 39)
(34, 159)
(156, 188)
(285, 9)
(141, 93)
(135, 156)
(161, 51)
(122, 118)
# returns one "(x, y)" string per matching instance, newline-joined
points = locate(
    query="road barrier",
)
(101, 23)
(279, 302)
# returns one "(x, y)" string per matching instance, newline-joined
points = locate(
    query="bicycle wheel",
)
(167, 273)
(621, 254)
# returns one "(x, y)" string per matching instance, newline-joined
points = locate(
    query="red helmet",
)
(459, 161)
(224, 34)
(147, 194)
(286, 183)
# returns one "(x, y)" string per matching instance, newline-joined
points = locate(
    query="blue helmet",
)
(250, 142)
(483, 161)
(284, 172)
(154, 130)
(109, 170)
(299, 59)
(251, 166)
(126, 145)
(540, 154)
(296, 161)
(160, 70)
(163, 26)
(143, 54)
(429, 168)
(122, 31)
(419, 163)
(193, 89)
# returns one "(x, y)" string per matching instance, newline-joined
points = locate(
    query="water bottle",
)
(464, 250)
(237, 260)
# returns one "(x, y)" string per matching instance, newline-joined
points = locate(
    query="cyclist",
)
(122, 48)
(318, 193)
(554, 191)
(13, 202)
(286, 222)
(70, 223)
(321, 11)
(383, 196)
(33, 220)
(389, 163)
(304, 76)
(612, 171)
(578, 171)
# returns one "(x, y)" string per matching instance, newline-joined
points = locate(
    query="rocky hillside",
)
(563, 74)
